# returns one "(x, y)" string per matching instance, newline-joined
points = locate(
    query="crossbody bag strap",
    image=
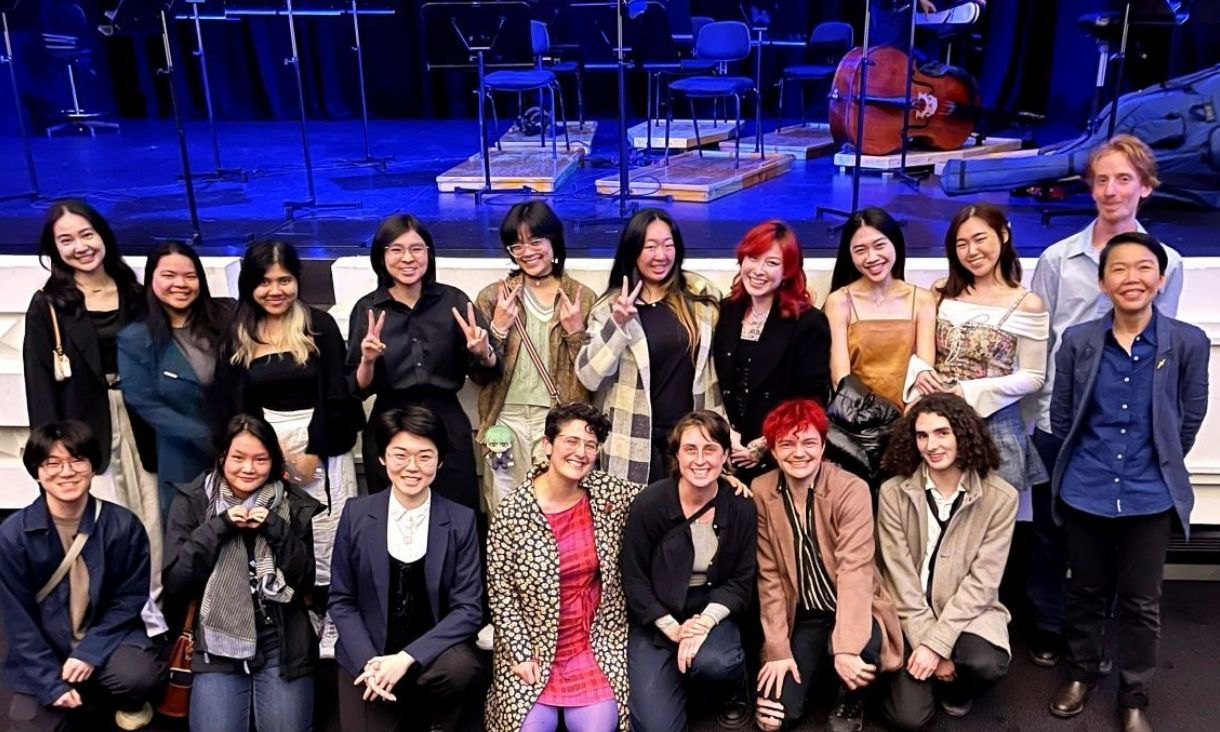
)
(74, 550)
(532, 350)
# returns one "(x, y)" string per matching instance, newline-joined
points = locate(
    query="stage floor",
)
(133, 178)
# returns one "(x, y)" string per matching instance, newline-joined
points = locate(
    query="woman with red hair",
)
(770, 343)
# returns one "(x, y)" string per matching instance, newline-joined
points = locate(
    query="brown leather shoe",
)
(1132, 719)
(1069, 699)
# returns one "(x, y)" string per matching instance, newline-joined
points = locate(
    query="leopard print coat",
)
(523, 592)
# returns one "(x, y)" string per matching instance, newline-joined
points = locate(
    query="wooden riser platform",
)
(512, 170)
(681, 134)
(802, 143)
(689, 177)
(925, 159)
(514, 140)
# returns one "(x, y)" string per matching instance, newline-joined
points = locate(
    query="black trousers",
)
(910, 704)
(435, 697)
(1125, 554)
(456, 479)
(1046, 567)
(128, 679)
(810, 644)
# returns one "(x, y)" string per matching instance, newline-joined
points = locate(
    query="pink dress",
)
(576, 680)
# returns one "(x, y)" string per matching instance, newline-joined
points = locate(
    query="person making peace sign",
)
(538, 302)
(413, 341)
(648, 354)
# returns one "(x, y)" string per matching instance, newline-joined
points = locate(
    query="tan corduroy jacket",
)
(966, 584)
(843, 518)
(561, 349)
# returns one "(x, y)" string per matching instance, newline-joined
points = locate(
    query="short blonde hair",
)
(1134, 149)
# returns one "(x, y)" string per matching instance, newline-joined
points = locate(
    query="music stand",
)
(212, 10)
(381, 161)
(310, 204)
(153, 15)
(623, 11)
(6, 7)
(484, 34)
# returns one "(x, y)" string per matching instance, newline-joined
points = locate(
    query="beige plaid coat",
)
(614, 365)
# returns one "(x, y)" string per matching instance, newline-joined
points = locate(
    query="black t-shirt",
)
(672, 372)
(107, 323)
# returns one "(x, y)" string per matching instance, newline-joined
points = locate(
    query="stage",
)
(133, 178)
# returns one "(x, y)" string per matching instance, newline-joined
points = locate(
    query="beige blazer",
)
(969, 566)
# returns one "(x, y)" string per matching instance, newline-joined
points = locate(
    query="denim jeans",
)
(222, 702)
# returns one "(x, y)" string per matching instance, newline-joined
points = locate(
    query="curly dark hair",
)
(560, 415)
(975, 450)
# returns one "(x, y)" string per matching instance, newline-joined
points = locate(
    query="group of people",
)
(645, 511)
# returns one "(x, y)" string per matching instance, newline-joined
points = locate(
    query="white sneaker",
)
(327, 639)
(138, 719)
(485, 640)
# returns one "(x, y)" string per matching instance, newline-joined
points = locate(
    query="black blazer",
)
(656, 565)
(338, 416)
(792, 360)
(360, 581)
(83, 396)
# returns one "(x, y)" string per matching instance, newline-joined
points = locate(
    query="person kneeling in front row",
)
(406, 591)
(945, 524)
(818, 589)
(75, 633)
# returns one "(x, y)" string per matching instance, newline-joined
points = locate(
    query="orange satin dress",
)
(880, 350)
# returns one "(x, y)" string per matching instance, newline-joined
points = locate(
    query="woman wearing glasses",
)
(537, 317)
(413, 341)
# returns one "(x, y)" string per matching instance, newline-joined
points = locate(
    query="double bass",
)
(941, 114)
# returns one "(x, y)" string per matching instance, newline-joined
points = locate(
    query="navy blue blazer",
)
(360, 581)
(40, 634)
(160, 385)
(1178, 406)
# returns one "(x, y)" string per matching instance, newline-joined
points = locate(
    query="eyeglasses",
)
(536, 243)
(77, 464)
(397, 252)
(403, 459)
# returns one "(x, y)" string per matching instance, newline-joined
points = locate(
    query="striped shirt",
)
(815, 588)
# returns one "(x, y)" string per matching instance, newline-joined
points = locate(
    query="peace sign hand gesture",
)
(506, 307)
(570, 315)
(623, 309)
(477, 341)
(372, 346)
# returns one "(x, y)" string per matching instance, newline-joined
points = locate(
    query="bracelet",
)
(491, 328)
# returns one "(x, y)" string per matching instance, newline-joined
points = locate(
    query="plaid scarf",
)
(227, 622)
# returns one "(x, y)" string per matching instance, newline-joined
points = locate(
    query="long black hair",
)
(845, 271)
(678, 296)
(205, 317)
(60, 288)
(392, 227)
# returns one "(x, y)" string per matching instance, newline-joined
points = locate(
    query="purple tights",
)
(599, 717)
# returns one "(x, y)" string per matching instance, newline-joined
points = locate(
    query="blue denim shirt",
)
(1114, 470)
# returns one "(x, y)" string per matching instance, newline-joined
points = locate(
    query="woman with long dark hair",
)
(878, 321)
(167, 361)
(991, 340)
(283, 361)
(656, 319)
(70, 357)
(239, 546)
(413, 341)
(537, 313)
(770, 343)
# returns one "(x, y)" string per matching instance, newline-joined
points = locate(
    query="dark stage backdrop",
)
(1033, 58)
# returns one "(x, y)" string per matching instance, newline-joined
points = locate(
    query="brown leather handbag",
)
(176, 702)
